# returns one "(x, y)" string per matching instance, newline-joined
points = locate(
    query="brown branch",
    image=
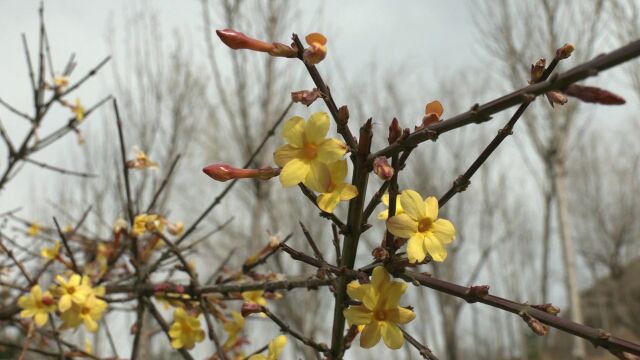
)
(164, 183)
(65, 243)
(483, 112)
(284, 327)
(59, 170)
(597, 337)
(424, 351)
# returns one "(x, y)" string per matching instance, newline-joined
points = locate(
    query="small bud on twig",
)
(317, 49)
(556, 97)
(395, 131)
(250, 308)
(564, 51)
(306, 97)
(380, 253)
(537, 70)
(538, 328)
(382, 168)
(343, 115)
(237, 40)
(548, 308)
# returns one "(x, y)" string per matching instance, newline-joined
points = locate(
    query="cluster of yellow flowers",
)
(75, 300)
(312, 159)
(144, 223)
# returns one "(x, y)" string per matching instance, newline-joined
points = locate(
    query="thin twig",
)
(66, 246)
(284, 327)
(424, 351)
(59, 170)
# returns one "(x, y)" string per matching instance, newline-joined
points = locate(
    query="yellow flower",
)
(61, 82)
(52, 252)
(336, 190)
(78, 110)
(307, 154)
(75, 291)
(420, 224)
(275, 348)
(37, 305)
(185, 331)
(383, 215)
(233, 328)
(34, 229)
(255, 297)
(142, 161)
(144, 222)
(380, 311)
(88, 313)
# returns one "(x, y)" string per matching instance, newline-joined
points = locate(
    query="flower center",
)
(85, 311)
(379, 315)
(71, 289)
(310, 151)
(424, 225)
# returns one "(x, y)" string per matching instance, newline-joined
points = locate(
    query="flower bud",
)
(282, 50)
(537, 70)
(592, 94)
(237, 40)
(548, 308)
(382, 168)
(305, 97)
(250, 308)
(343, 115)
(395, 131)
(225, 172)
(564, 51)
(556, 97)
(380, 253)
(538, 328)
(48, 300)
(317, 49)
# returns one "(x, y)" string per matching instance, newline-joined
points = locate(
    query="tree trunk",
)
(568, 255)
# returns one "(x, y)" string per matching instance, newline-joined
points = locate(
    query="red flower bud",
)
(395, 131)
(47, 300)
(237, 40)
(382, 168)
(564, 51)
(250, 308)
(592, 94)
(225, 172)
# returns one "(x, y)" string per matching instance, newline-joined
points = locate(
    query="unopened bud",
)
(48, 300)
(305, 97)
(382, 168)
(556, 97)
(225, 172)
(564, 51)
(479, 291)
(282, 50)
(537, 70)
(317, 49)
(250, 308)
(343, 115)
(592, 94)
(548, 308)
(237, 40)
(380, 253)
(538, 328)
(162, 287)
(395, 131)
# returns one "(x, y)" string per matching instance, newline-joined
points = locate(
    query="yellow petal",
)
(357, 291)
(383, 215)
(316, 38)
(276, 346)
(293, 131)
(294, 172)
(385, 199)
(176, 343)
(393, 292)
(370, 335)
(331, 150)
(443, 230)
(434, 107)
(413, 204)
(318, 177)
(317, 127)
(358, 315)
(257, 357)
(327, 202)
(338, 171)
(392, 335)
(402, 226)
(401, 315)
(348, 192)
(379, 278)
(431, 204)
(41, 319)
(435, 248)
(65, 303)
(285, 153)
(416, 248)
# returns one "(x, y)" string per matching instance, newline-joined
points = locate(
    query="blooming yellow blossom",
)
(88, 313)
(383, 215)
(233, 328)
(275, 349)
(380, 312)
(145, 222)
(37, 305)
(142, 161)
(185, 331)
(307, 154)
(61, 82)
(34, 229)
(336, 190)
(420, 224)
(52, 252)
(255, 297)
(78, 110)
(74, 291)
